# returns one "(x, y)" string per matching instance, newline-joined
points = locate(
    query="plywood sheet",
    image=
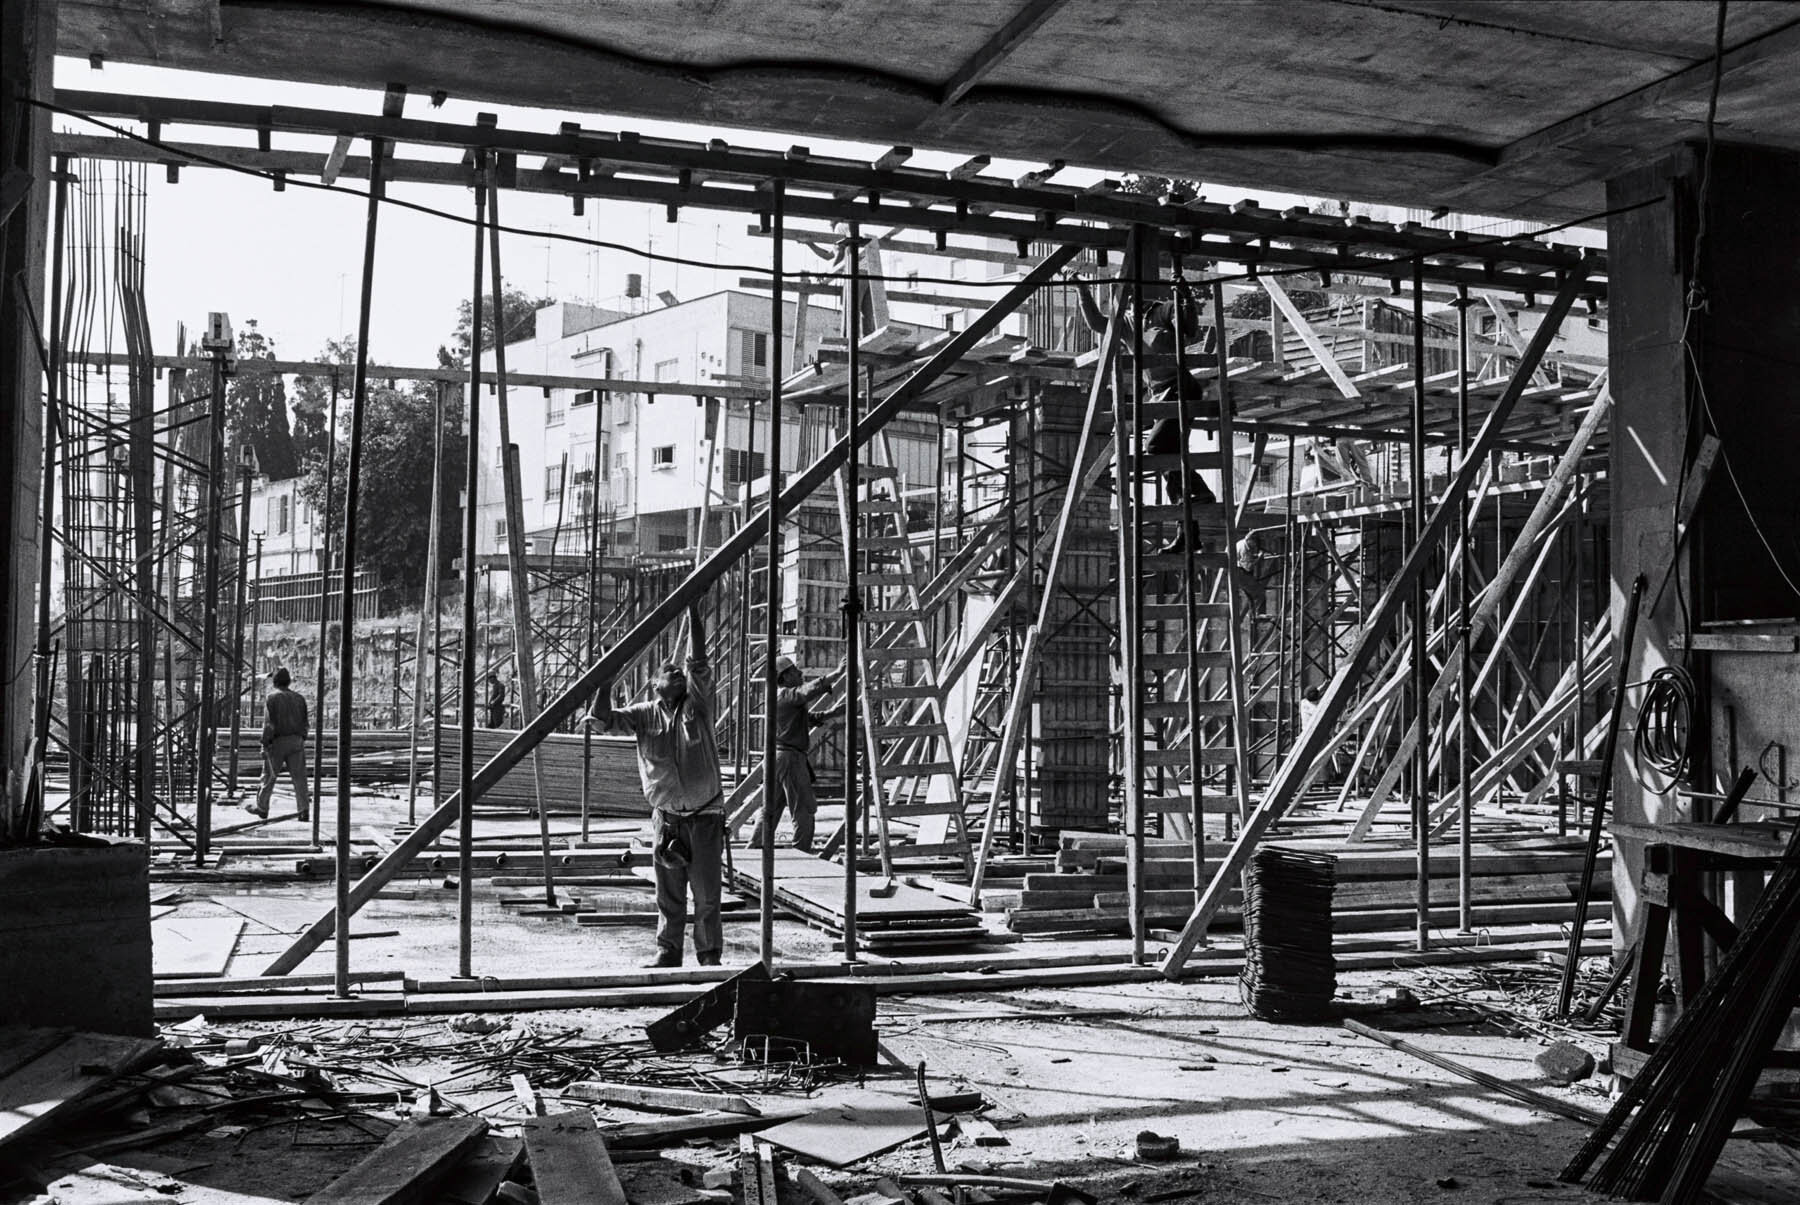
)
(840, 1135)
(405, 1168)
(193, 948)
(569, 1163)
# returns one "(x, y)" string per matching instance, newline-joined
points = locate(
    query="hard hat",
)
(783, 664)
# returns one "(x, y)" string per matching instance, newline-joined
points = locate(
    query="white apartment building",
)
(644, 460)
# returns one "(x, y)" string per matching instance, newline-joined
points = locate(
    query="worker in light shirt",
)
(678, 762)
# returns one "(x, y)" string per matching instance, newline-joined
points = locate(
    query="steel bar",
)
(241, 598)
(427, 607)
(1465, 858)
(1126, 455)
(1184, 418)
(209, 629)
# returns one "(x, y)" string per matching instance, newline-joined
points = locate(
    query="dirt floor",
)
(1070, 1076)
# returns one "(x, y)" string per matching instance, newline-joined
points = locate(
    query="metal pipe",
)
(524, 663)
(1127, 436)
(853, 795)
(209, 629)
(245, 476)
(428, 606)
(347, 624)
(1421, 767)
(465, 770)
(47, 540)
(1465, 858)
(766, 900)
(324, 601)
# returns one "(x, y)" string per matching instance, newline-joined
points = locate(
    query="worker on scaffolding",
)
(283, 746)
(497, 709)
(794, 721)
(1160, 370)
(678, 763)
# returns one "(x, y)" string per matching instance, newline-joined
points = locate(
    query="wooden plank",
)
(193, 948)
(673, 1131)
(644, 1097)
(478, 1177)
(842, 1134)
(407, 1166)
(62, 1073)
(569, 1163)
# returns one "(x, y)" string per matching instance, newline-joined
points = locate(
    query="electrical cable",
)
(1663, 745)
(1250, 274)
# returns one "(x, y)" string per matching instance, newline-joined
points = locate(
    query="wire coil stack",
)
(1289, 974)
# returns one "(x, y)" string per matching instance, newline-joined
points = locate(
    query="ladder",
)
(912, 767)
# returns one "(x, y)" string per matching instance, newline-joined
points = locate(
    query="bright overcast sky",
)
(220, 240)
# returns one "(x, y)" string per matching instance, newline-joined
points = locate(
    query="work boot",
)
(256, 809)
(665, 958)
(707, 960)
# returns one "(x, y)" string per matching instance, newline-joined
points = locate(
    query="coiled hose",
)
(1663, 745)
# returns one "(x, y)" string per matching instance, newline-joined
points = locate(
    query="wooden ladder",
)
(912, 767)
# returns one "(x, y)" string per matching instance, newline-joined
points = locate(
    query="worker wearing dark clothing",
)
(1161, 373)
(496, 701)
(283, 745)
(678, 761)
(794, 722)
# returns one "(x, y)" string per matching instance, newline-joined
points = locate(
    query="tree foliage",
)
(394, 490)
(312, 400)
(520, 322)
(257, 408)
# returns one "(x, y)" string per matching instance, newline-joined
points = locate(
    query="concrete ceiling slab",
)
(1520, 107)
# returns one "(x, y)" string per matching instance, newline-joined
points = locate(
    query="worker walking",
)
(678, 761)
(794, 722)
(283, 745)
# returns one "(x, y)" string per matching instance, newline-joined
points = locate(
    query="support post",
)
(853, 717)
(347, 626)
(1293, 770)
(427, 608)
(562, 708)
(770, 786)
(1465, 858)
(518, 576)
(245, 475)
(464, 799)
(1421, 616)
(208, 729)
(324, 608)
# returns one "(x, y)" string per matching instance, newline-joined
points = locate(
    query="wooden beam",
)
(1284, 787)
(993, 52)
(569, 1163)
(406, 1166)
(1308, 336)
(566, 705)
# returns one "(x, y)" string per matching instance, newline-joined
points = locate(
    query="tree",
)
(312, 400)
(394, 494)
(257, 409)
(521, 321)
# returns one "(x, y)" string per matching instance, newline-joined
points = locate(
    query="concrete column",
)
(27, 42)
(1743, 340)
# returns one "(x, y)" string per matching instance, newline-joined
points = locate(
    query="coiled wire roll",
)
(1663, 743)
(1289, 973)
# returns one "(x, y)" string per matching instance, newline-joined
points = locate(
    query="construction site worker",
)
(794, 722)
(283, 745)
(1161, 374)
(678, 762)
(496, 700)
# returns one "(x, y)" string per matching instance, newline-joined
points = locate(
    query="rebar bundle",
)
(1289, 974)
(1672, 1122)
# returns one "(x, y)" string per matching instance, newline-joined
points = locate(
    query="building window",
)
(284, 515)
(1266, 471)
(755, 349)
(500, 528)
(554, 410)
(584, 398)
(742, 466)
(553, 482)
(662, 457)
(670, 543)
